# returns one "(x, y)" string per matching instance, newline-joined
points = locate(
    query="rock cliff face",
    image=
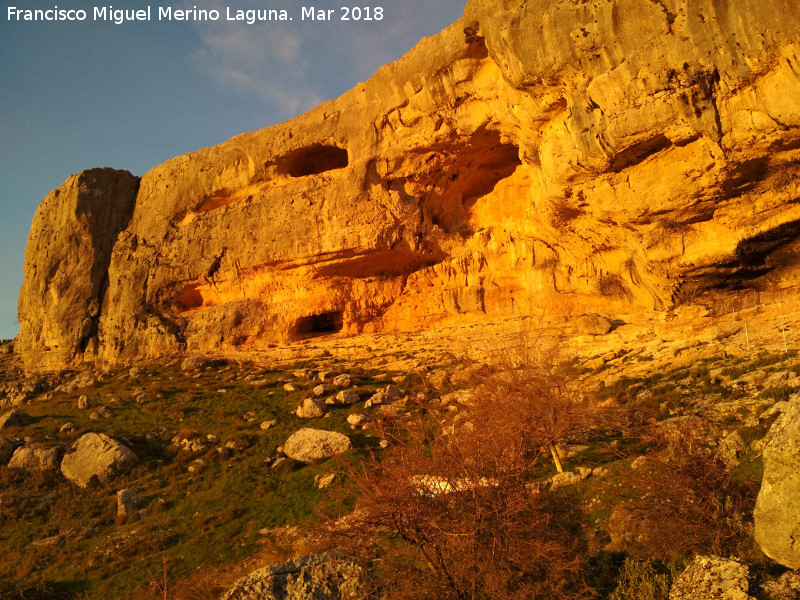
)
(536, 156)
(66, 266)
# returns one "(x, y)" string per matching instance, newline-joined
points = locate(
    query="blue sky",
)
(96, 94)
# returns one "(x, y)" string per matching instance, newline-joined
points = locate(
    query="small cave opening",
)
(189, 298)
(317, 325)
(313, 160)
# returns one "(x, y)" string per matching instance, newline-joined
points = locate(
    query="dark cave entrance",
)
(317, 325)
(313, 160)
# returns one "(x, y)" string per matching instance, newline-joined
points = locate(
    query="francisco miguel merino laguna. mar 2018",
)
(168, 13)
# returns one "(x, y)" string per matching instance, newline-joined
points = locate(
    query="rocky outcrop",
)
(14, 418)
(712, 578)
(777, 511)
(36, 457)
(539, 156)
(66, 266)
(96, 456)
(312, 445)
(317, 577)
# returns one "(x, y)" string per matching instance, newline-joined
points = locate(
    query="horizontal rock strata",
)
(536, 156)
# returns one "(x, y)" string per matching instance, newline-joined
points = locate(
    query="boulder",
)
(310, 408)
(593, 325)
(14, 418)
(36, 457)
(95, 455)
(128, 502)
(346, 397)
(786, 587)
(712, 578)
(565, 479)
(777, 511)
(391, 393)
(311, 445)
(317, 577)
(358, 420)
(342, 381)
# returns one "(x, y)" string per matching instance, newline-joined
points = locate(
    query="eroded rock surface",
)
(312, 445)
(317, 577)
(540, 156)
(95, 455)
(777, 511)
(712, 578)
(66, 266)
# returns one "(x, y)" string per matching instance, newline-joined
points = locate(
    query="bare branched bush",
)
(451, 510)
(689, 503)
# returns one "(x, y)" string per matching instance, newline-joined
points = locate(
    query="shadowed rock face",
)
(535, 156)
(66, 266)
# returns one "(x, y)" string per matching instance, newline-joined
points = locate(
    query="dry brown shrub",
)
(688, 503)
(449, 511)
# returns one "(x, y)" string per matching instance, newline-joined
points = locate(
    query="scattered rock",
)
(95, 455)
(36, 457)
(357, 420)
(265, 425)
(562, 480)
(67, 428)
(82, 380)
(310, 408)
(311, 445)
(128, 502)
(777, 511)
(290, 387)
(194, 363)
(83, 402)
(712, 578)
(342, 381)
(319, 390)
(593, 325)
(317, 577)
(346, 397)
(391, 393)
(323, 481)
(101, 413)
(14, 418)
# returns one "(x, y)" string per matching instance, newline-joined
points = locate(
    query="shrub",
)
(644, 580)
(687, 502)
(450, 511)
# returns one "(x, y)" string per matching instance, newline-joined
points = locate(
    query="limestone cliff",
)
(66, 265)
(536, 156)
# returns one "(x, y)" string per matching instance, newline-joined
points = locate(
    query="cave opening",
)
(190, 298)
(313, 160)
(317, 325)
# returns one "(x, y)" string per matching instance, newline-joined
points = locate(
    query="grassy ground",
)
(208, 511)
(202, 508)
